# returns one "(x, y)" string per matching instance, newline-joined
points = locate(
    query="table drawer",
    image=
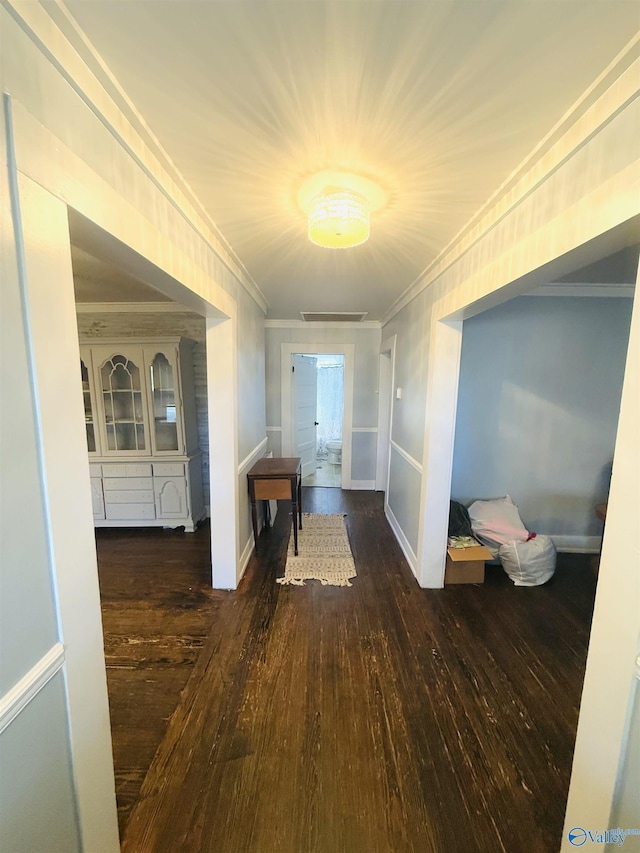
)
(126, 469)
(272, 489)
(129, 496)
(168, 469)
(112, 484)
(130, 512)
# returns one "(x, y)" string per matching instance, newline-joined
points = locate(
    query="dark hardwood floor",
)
(380, 717)
(157, 608)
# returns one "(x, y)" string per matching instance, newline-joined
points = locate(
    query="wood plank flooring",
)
(157, 608)
(380, 717)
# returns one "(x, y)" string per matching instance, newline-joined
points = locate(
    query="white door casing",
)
(385, 411)
(304, 370)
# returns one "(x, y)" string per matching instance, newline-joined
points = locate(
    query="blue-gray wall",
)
(538, 403)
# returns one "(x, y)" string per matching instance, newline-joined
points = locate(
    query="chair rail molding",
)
(31, 683)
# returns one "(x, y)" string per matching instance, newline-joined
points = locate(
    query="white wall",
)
(411, 325)
(365, 399)
(37, 799)
(538, 402)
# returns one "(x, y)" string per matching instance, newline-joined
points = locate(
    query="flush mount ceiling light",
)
(338, 219)
(338, 206)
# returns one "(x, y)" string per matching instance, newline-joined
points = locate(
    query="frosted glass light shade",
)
(338, 219)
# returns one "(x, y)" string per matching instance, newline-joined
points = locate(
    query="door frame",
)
(386, 378)
(287, 350)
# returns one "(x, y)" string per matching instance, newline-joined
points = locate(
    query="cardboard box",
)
(466, 565)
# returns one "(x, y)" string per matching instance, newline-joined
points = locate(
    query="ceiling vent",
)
(333, 316)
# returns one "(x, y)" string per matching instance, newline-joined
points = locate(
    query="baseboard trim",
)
(577, 544)
(363, 485)
(245, 557)
(403, 542)
(17, 699)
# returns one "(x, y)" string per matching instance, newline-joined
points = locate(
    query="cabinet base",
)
(190, 525)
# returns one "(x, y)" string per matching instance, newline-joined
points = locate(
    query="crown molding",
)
(107, 100)
(612, 91)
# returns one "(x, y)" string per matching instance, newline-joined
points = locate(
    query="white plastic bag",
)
(497, 522)
(529, 563)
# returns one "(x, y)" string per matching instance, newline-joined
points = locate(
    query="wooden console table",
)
(277, 479)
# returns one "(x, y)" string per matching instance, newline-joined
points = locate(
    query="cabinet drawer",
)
(95, 469)
(126, 469)
(130, 512)
(114, 484)
(168, 469)
(273, 489)
(138, 496)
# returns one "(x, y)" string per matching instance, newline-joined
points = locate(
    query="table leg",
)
(294, 513)
(254, 520)
(300, 501)
(267, 514)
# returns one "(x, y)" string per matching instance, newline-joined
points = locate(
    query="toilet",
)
(334, 450)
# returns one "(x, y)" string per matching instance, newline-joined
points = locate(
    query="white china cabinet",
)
(142, 437)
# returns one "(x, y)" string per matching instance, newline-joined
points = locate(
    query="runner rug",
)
(324, 553)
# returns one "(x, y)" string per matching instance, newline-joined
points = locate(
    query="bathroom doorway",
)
(330, 417)
(334, 414)
(326, 467)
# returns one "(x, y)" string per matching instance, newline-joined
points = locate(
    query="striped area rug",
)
(324, 553)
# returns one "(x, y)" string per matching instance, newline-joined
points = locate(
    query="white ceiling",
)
(436, 101)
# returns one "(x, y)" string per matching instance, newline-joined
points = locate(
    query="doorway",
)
(333, 353)
(318, 422)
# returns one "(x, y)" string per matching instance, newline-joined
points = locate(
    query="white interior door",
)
(305, 390)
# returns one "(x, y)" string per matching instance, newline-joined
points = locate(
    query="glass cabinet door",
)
(123, 403)
(163, 394)
(88, 409)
